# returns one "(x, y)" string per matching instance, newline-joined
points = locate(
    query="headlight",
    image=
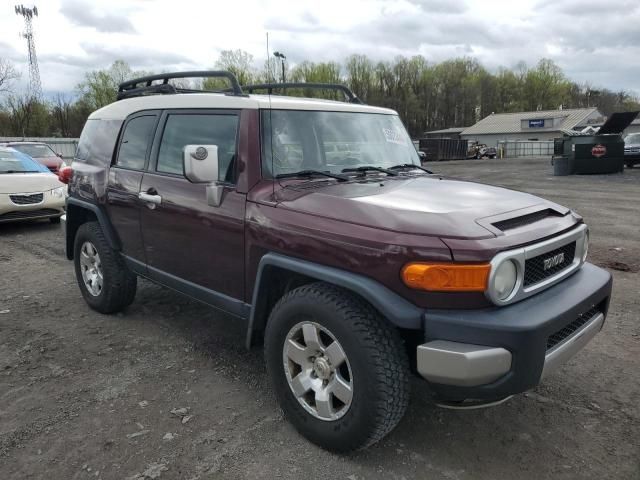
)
(505, 279)
(585, 246)
(58, 192)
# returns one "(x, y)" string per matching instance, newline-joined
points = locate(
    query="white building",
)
(530, 126)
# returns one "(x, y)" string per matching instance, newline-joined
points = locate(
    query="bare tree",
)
(61, 109)
(7, 75)
(20, 108)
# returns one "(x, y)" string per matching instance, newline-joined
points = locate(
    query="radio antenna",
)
(273, 173)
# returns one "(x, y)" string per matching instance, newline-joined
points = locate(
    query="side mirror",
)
(201, 163)
(201, 166)
(58, 154)
(422, 155)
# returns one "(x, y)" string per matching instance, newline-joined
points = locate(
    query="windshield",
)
(296, 140)
(632, 138)
(16, 162)
(35, 151)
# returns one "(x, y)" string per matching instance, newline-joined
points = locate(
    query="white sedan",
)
(28, 190)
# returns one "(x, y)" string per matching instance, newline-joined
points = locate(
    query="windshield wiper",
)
(409, 165)
(311, 173)
(370, 168)
(21, 171)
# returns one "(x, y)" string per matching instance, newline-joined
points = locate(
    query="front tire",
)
(106, 283)
(339, 370)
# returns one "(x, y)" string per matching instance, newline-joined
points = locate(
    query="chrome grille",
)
(534, 271)
(568, 330)
(27, 199)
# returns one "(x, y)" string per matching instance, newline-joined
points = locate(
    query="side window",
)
(135, 140)
(97, 141)
(199, 129)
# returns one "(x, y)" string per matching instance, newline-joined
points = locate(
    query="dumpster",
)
(602, 152)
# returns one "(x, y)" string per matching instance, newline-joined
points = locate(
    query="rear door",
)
(125, 177)
(188, 243)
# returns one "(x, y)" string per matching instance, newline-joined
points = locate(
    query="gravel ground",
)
(84, 395)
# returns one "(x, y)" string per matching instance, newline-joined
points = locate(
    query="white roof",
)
(122, 108)
(511, 122)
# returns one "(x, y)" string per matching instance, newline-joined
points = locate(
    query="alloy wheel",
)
(91, 269)
(318, 371)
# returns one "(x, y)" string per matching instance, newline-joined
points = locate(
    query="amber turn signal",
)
(447, 277)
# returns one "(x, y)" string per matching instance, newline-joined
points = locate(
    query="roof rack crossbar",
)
(145, 85)
(352, 97)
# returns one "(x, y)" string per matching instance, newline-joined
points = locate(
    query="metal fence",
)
(65, 146)
(516, 148)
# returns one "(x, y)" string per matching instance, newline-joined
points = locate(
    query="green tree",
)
(100, 87)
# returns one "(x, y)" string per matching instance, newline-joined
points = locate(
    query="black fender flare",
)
(74, 221)
(399, 311)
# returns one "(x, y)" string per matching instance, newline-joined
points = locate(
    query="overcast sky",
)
(595, 41)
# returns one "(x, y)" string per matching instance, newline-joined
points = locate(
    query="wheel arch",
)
(277, 274)
(81, 211)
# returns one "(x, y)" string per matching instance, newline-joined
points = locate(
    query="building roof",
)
(446, 130)
(511, 122)
(122, 108)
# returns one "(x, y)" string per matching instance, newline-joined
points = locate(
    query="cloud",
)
(85, 15)
(440, 6)
(592, 40)
(102, 56)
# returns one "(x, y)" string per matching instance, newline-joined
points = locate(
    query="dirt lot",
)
(89, 396)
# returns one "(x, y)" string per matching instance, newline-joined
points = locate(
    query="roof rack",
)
(352, 98)
(144, 85)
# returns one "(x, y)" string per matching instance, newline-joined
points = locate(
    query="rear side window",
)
(199, 129)
(97, 141)
(135, 142)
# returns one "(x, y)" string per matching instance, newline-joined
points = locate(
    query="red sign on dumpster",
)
(598, 151)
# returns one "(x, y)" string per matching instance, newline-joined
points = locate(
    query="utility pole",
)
(282, 59)
(35, 87)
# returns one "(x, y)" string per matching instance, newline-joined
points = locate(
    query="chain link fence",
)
(516, 148)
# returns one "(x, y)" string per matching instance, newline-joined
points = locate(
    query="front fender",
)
(396, 309)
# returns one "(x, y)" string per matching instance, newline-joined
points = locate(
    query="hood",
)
(423, 205)
(50, 162)
(28, 182)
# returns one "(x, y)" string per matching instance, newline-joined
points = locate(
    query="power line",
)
(35, 87)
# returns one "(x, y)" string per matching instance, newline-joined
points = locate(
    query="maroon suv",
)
(314, 222)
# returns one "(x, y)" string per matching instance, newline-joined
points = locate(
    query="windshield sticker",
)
(393, 136)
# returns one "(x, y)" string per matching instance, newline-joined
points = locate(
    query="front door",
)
(188, 243)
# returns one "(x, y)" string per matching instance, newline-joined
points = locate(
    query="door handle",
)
(151, 200)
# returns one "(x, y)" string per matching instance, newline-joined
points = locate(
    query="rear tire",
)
(106, 283)
(347, 400)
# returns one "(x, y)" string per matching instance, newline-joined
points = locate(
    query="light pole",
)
(282, 59)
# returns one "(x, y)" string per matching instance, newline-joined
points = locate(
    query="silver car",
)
(632, 149)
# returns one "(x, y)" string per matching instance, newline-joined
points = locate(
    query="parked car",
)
(28, 190)
(632, 149)
(480, 150)
(351, 271)
(41, 152)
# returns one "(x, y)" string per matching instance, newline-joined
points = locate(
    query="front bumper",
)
(50, 207)
(497, 352)
(631, 158)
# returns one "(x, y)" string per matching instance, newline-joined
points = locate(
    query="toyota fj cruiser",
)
(314, 221)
